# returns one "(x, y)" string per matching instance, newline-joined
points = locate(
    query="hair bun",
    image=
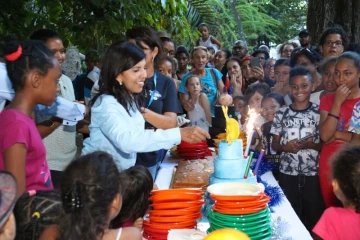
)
(12, 51)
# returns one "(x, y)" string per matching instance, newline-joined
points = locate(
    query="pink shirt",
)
(338, 224)
(16, 127)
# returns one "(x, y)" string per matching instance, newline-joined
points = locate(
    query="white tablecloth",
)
(294, 227)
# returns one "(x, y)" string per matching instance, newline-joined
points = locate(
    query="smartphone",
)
(305, 138)
(255, 62)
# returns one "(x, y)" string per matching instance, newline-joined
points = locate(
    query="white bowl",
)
(235, 189)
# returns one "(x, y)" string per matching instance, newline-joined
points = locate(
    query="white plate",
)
(235, 189)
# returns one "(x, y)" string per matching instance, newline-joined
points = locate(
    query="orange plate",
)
(233, 211)
(172, 219)
(175, 212)
(177, 205)
(178, 225)
(176, 196)
(236, 198)
(236, 206)
(167, 192)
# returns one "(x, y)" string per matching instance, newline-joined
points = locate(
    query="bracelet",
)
(334, 116)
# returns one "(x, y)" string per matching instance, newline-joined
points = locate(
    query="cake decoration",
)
(232, 127)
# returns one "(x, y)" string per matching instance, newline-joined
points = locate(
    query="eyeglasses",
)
(335, 44)
(269, 66)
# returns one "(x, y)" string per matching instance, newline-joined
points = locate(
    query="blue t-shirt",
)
(207, 81)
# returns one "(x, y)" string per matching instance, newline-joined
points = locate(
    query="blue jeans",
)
(160, 157)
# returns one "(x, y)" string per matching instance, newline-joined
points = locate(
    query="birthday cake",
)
(230, 164)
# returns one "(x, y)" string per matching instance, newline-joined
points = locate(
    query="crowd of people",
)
(128, 106)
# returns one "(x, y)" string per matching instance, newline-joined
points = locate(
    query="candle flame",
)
(251, 122)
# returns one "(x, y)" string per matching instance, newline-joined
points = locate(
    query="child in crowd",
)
(354, 127)
(210, 63)
(183, 58)
(327, 69)
(270, 105)
(8, 193)
(201, 114)
(253, 96)
(137, 185)
(339, 223)
(165, 65)
(240, 109)
(281, 74)
(335, 114)
(207, 40)
(34, 73)
(90, 193)
(299, 155)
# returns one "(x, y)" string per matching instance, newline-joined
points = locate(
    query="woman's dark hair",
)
(88, 187)
(277, 97)
(44, 35)
(146, 35)
(334, 30)
(256, 52)
(282, 62)
(262, 88)
(281, 49)
(355, 57)
(313, 56)
(137, 184)
(180, 50)
(300, 71)
(34, 56)
(346, 171)
(119, 57)
(325, 63)
(232, 59)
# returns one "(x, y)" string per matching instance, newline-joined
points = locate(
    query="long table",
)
(284, 215)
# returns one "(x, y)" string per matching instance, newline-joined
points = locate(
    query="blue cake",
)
(230, 164)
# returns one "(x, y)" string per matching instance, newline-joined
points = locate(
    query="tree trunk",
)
(328, 13)
(237, 20)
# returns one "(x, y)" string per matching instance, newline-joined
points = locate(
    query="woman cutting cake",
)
(117, 120)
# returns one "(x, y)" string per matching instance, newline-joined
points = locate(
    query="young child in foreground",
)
(299, 157)
(90, 193)
(339, 223)
(201, 114)
(137, 184)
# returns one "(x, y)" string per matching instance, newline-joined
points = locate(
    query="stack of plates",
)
(193, 151)
(241, 206)
(172, 209)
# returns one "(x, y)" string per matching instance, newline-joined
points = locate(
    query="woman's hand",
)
(193, 134)
(258, 72)
(188, 106)
(341, 94)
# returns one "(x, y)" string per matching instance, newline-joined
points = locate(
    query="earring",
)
(120, 83)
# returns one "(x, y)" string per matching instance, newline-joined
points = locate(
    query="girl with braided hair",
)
(343, 223)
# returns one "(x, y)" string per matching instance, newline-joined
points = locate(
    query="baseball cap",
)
(304, 32)
(8, 191)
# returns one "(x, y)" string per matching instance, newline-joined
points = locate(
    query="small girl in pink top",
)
(343, 223)
(34, 72)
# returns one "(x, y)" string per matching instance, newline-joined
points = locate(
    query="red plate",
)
(175, 212)
(179, 225)
(179, 196)
(237, 198)
(166, 192)
(174, 219)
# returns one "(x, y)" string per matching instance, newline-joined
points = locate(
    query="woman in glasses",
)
(286, 48)
(333, 42)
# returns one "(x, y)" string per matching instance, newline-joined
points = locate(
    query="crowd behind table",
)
(306, 105)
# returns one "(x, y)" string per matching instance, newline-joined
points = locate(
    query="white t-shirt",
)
(6, 90)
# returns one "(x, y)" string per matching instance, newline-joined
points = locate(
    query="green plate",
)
(239, 218)
(248, 230)
(239, 221)
(263, 235)
(249, 226)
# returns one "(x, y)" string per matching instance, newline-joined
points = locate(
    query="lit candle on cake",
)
(247, 169)
(250, 129)
(259, 160)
